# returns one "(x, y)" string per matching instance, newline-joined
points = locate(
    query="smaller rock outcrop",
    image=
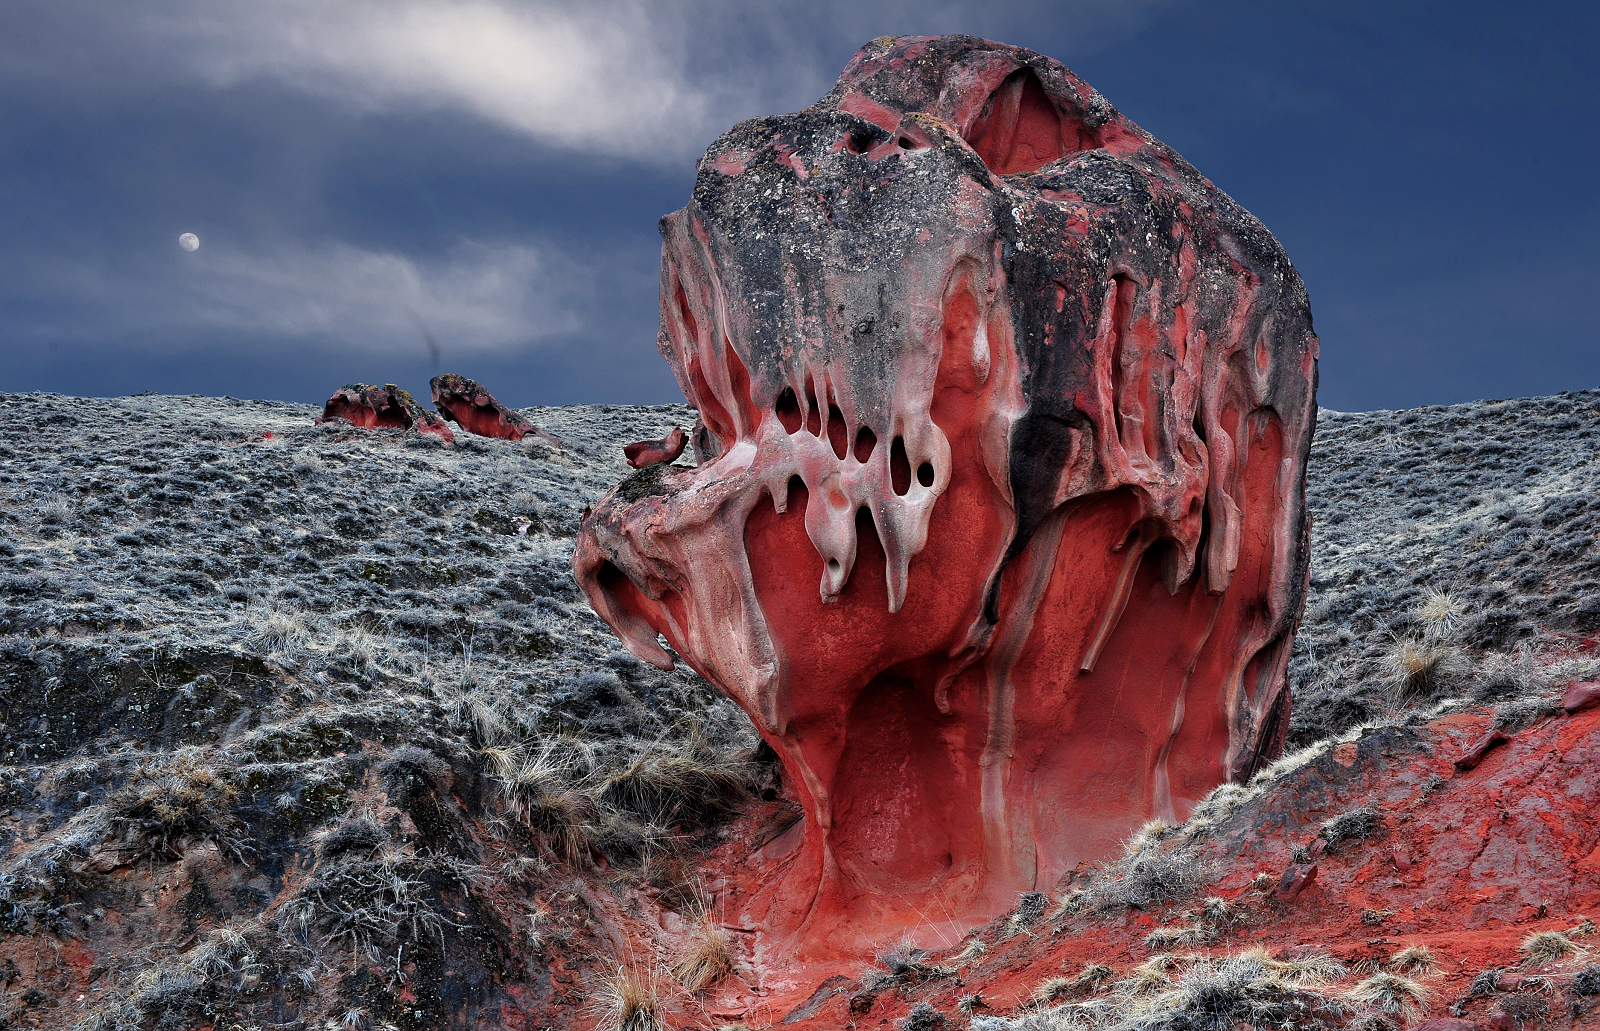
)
(653, 452)
(465, 403)
(388, 406)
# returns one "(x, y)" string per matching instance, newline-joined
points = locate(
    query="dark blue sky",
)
(494, 171)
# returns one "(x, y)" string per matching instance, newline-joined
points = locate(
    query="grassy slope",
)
(314, 727)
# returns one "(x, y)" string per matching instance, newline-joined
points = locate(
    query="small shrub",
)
(923, 1017)
(1355, 825)
(160, 815)
(1586, 982)
(1525, 1008)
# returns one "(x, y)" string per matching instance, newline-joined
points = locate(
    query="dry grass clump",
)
(1030, 907)
(923, 1017)
(1145, 879)
(629, 1001)
(1150, 834)
(1391, 993)
(1413, 961)
(1420, 669)
(1219, 995)
(1586, 982)
(690, 783)
(536, 788)
(1188, 936)
(364, 894)
(1356, 825)
(162, 813)
(1439, 613)
(1543, 947)
(902, 964)
(711, 959)
(212, 977)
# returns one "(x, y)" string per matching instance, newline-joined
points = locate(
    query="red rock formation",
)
(385, 406)
(465, 403)
(998, 531)
(653, 452)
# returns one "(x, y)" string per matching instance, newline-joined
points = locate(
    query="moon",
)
(189, 242)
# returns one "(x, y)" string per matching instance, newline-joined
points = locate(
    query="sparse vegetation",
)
(709, 961)
(629, 1001)
(1357, 824)
(322, 664)
(1391, 993)
(1542, 947)
(1413, 961)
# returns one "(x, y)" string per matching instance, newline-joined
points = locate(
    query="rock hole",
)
(899, 467)
(925, 474)
(860, 140)
(866, 440)
(833, 567)
(838, 433)
(1021, 127)
(813, 411)
(788, 411)
(798, 496)
(906, 143)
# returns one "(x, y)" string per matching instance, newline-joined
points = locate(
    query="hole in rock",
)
(1020, 127)
(925, 474)
(860, 140)
(813, 411)
(869, 545)
(833, 567)
(899, 467)
(866, 440)
(798, 496)
(788, 411)
(906, 143)
(838, 434)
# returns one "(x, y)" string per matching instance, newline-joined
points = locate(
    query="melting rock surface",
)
(998, 530)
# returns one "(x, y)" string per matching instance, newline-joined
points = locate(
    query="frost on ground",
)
(350, 667)
(309, 724)
(1451, 546)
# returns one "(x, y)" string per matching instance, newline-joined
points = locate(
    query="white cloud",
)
(654, 82)
(603, 78)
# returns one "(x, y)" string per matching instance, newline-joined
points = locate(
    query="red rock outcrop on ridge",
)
(998, 532)
(467, 404)
(386, 406)
(644, 453)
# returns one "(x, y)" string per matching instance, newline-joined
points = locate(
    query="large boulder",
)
(998, 532)
(387, 406)
(467, 404)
